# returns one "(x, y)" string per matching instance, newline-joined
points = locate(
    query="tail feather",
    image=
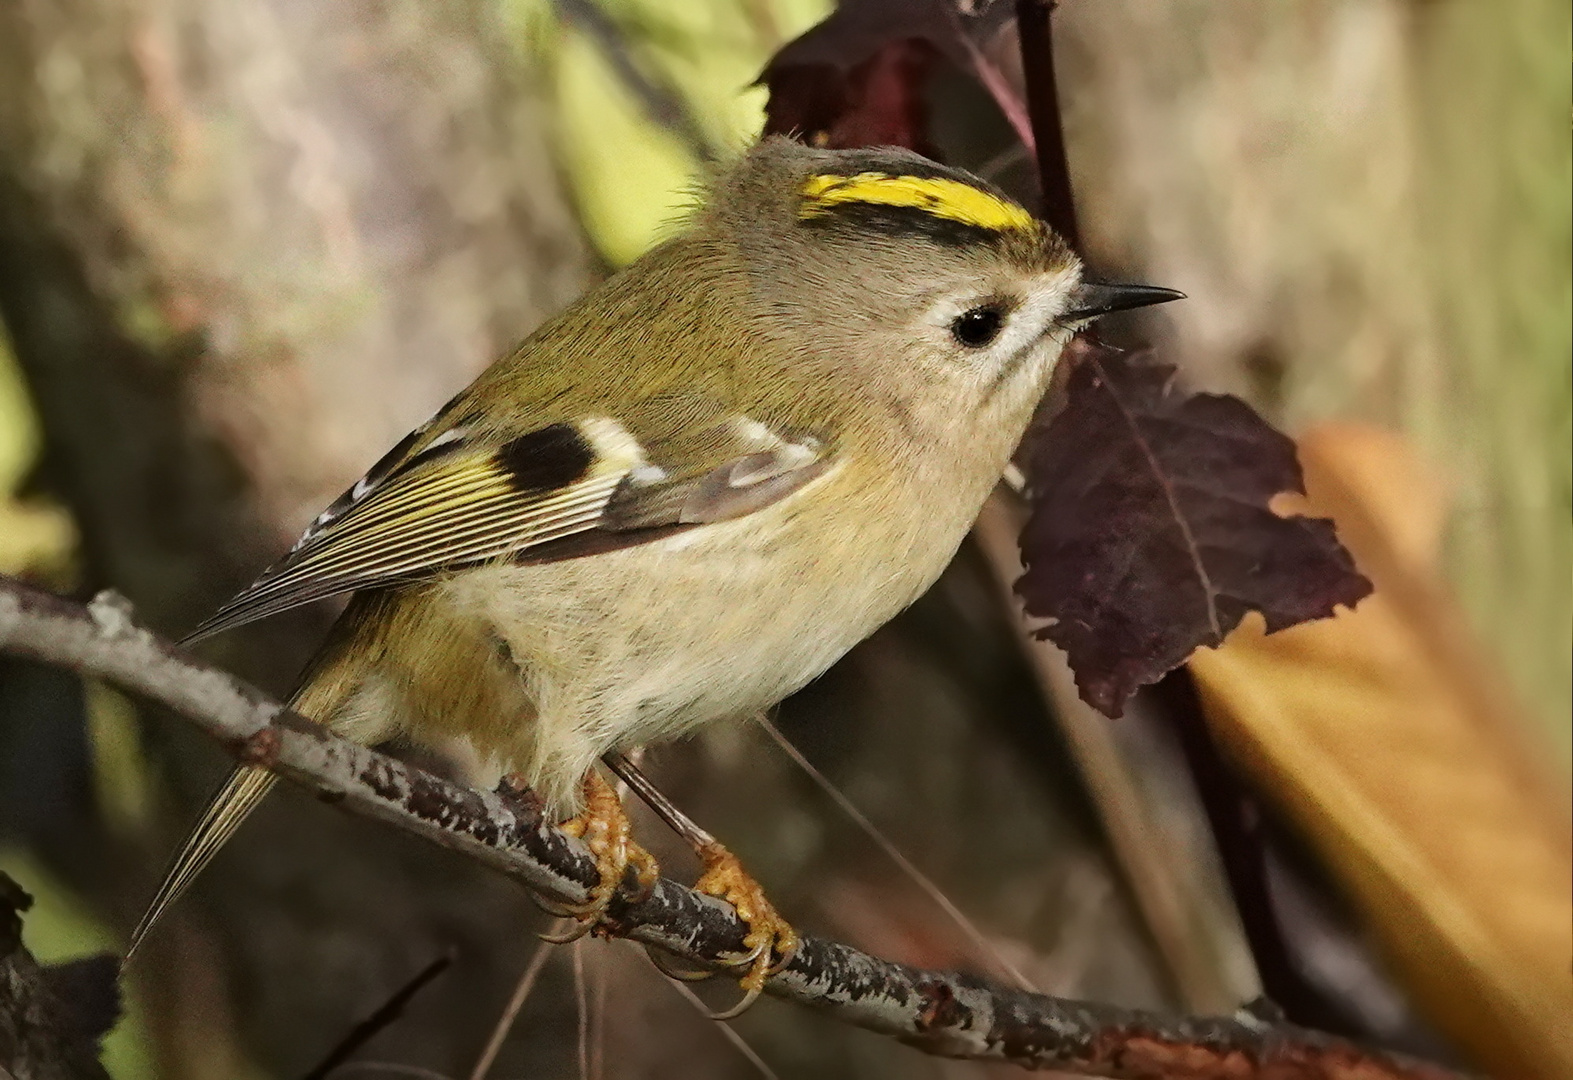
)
(233, 803)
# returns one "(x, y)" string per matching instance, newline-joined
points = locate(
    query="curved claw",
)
(663, 965)
(555, 909)
(786, 947)
(780, 939)
(750, 959)
(582, 928)
(749, 997)
(769, 935)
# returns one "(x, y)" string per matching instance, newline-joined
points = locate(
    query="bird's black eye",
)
(977, 327)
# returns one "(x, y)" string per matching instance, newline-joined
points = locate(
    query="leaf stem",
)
(1043, 108)
(1235, 817)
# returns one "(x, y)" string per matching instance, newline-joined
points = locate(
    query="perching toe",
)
(606, 830)
(771, 941)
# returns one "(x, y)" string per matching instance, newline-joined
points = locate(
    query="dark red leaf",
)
(860, 78)
(1150, 532)
(878, 101)
(89, 991)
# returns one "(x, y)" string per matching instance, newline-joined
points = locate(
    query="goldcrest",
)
(691, 492)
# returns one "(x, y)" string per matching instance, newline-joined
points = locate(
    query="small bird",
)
(688, 494)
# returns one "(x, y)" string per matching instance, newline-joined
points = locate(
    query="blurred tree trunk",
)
(244, 248)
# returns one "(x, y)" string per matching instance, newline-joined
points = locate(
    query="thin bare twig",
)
(939, 1012)
(1043, 110)
(727, 1030)
(510, 1013)
(385, 1014)
(581, 1004)
(1229, 805)
(906, 865)
(629, 774)
(662, 102)
(1235, 818)
(598, 999)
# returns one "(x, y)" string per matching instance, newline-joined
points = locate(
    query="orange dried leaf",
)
(1373, 733)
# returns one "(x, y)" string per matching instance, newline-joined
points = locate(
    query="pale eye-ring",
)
(979, 326)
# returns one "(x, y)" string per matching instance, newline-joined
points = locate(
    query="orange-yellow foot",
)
(771, 940)
(607, 832)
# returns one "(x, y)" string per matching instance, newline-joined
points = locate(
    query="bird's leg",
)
(771, 941)
(606, 831)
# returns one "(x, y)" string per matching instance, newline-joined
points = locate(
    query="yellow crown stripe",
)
(949, 199)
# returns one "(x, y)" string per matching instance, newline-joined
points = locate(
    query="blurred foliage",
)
(1380, 735)
(122, 784)
(35, 536)
(633, 179)
(1494, 92)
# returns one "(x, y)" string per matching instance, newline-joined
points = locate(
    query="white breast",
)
(642, 644)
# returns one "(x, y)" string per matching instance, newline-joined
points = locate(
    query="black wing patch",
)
(553, 457)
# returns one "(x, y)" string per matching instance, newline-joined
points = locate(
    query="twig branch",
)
(661, 101)
(942, 1013)
(384, 1015)
(1234, 815)
(1230, 806)
(1043, 109)
(1166, 899)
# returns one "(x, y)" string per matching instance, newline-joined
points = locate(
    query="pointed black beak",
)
(1094, 298)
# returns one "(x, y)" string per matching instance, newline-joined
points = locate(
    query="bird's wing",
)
(439, 503)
